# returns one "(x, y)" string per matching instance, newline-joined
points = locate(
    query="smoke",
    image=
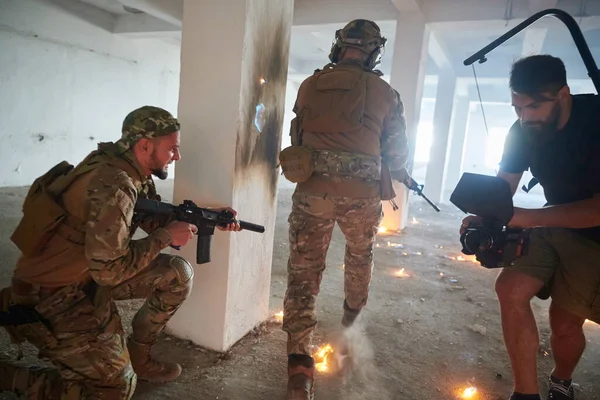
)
(356, 362)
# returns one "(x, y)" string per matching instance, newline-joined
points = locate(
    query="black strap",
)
(20, 315)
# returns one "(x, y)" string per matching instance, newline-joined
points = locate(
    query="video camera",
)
(492, 242)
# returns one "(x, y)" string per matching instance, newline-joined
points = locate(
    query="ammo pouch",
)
(296, 163)
(42, 215)
(347, 165)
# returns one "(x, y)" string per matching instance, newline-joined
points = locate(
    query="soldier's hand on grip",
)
(181, 232)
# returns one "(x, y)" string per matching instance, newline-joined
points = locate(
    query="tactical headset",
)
(360, 35)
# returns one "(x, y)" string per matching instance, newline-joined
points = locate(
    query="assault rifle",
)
(205, 220)
(418, 189)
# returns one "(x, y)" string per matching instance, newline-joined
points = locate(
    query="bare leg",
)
(567, 341)
(515, 291)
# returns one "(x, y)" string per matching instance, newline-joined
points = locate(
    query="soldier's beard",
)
(161, 172)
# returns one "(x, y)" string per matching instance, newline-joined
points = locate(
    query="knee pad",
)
(183, 269)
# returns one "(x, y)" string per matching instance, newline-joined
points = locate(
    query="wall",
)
(67, 84)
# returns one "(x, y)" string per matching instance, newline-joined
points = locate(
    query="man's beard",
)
(543, 131)
(158, 171)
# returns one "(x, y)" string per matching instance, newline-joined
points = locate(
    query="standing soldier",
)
(78, 257)
(348, 142)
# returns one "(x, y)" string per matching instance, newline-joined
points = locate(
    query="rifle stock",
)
(203, 218)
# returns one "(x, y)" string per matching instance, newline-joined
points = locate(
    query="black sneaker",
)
(560, 391)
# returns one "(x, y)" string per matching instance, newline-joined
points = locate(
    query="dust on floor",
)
(425, 335)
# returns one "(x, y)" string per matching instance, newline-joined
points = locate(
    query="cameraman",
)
(557, 137)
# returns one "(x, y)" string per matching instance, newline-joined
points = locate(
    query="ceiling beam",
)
(438, 52)
(536, 6)
(143, 25)
(408, 5)
(443, 11)
(533, 41)
(94, 15)
(170, 11)
(535, 37)
(340, 12)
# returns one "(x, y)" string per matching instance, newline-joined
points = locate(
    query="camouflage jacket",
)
(102, 202)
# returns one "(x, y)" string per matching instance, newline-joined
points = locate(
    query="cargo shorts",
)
(569, 265)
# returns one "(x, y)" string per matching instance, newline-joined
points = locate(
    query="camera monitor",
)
(487, 196)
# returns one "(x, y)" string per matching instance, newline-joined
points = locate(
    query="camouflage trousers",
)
(311, 224)
(84, 337)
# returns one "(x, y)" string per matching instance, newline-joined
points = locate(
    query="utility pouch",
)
(42, 215)
(296, 163)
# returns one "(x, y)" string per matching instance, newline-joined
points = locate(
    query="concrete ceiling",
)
(459, 28)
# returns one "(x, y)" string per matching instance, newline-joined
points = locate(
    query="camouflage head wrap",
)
(148, 122)
(360, 34)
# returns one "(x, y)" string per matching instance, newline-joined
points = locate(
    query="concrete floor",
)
(427, 335)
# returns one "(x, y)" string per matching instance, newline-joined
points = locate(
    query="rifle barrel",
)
(249, 226)
(436, 208)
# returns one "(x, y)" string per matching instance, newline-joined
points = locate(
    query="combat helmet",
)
(360, 34)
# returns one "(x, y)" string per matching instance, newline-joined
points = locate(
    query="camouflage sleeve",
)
(113, 256)
(150, 222)
(394, 143)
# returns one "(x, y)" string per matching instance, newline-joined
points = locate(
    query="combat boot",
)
(301, 371)
(146, 367)
(350, 315)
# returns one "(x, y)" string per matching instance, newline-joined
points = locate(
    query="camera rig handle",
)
(569, 21)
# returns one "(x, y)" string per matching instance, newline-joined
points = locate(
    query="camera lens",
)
(476, 240)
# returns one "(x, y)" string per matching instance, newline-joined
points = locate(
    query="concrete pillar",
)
(460, 119)
(475, 143)
(407, 77)
(234, 59)
(442, 116)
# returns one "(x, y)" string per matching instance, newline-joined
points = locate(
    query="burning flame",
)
(279, 316)
(469, 393)
(472, 259)
(262, 81)
(401, 273)
(321, 357)
(382, 229)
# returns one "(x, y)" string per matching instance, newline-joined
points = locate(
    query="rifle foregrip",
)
(203, 249)
(249, 226)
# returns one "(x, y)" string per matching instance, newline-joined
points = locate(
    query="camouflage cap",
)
(148, 122)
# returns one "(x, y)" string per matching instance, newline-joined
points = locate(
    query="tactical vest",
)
(45, 214)
(340, 118)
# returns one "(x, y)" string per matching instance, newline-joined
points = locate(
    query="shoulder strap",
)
(91, 162)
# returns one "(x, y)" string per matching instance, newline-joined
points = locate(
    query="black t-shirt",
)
(567, 164)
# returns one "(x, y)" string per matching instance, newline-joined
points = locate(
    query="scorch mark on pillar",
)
(264, 76)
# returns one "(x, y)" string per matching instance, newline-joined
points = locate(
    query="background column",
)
(407, 77)
(442, 116)
(234, 59)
